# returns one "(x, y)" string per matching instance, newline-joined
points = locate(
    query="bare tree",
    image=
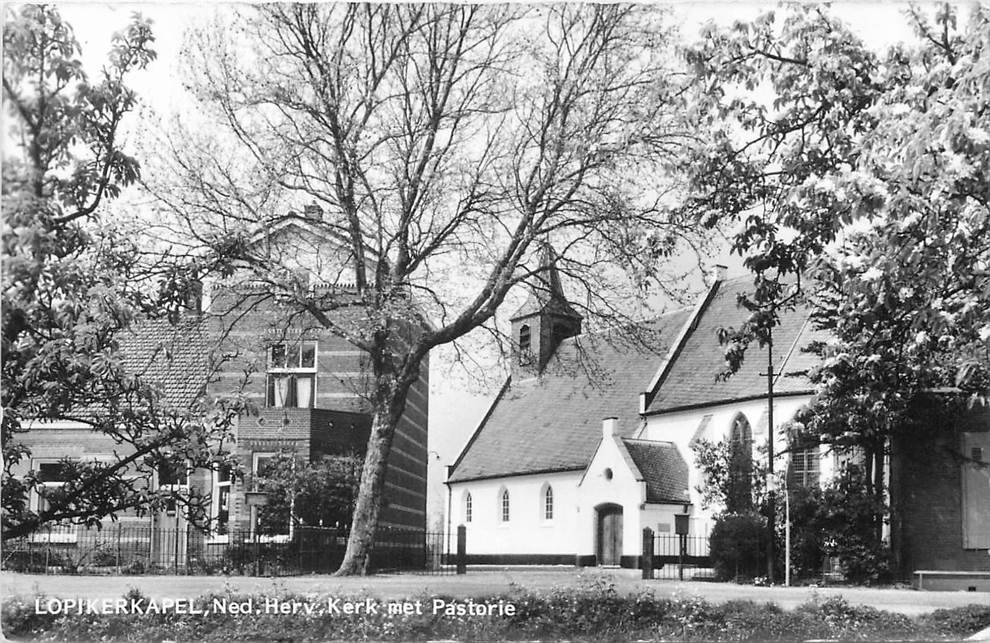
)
(447, 143)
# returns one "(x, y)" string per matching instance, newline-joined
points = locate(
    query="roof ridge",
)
(670, 442)
(648, 320)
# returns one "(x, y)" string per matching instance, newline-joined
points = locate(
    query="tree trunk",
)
(390, 404)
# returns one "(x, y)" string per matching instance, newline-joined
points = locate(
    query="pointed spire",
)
(546, 294)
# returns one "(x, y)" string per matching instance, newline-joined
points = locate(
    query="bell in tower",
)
(543, 321)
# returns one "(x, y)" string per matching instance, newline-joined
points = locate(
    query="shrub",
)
(839, 520)
(736, 545)
(961, 620)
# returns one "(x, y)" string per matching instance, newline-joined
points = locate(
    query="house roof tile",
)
(173, 358)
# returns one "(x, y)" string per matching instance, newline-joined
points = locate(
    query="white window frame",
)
(269, 538)
(504, 506)
(468, 507)
(547, 508)
(181, 486)
(216, 486)
(288, 371)
(55, 533)
(805, 462)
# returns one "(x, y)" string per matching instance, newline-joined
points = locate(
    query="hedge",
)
(593, 613)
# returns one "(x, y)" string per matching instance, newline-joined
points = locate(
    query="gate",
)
(676, 557)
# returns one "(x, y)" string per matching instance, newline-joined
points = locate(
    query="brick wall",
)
(926, 492)
(249, 326)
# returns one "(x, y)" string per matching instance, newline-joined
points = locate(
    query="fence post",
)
(461, 549)
(647, 559)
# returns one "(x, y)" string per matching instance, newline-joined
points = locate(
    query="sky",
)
(455, 407)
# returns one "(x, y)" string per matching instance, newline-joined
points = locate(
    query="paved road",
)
(475, 583)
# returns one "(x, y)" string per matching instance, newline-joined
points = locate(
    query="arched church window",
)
(548, 503)
(468, 508)
(505, 505)
(525, 344)
(739, 497)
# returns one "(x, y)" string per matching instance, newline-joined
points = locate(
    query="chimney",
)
(610, 427)
(313, 212)
(721, 272)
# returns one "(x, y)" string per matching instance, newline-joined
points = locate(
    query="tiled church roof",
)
(692, 380)
(664, 470)
(553, 423)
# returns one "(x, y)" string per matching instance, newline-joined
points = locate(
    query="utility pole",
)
(771, 496)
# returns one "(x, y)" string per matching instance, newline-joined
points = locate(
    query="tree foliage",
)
(837, 520)
(444, 143)
(316, 494)
(859, 184)
(72, 283)
(728, 482)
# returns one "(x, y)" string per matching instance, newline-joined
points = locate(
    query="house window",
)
(275, 518)
(740, 493)
(291, 374)
(261, 464)
(525, 345)
(221, 500)
(172, 476)
(548, 503)
(51, 476)
(467, 507)
(505, 505)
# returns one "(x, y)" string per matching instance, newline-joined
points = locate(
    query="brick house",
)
(544, 480)
(175, 358)
(308, 386)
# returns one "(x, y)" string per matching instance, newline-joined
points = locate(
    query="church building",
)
(590, 439)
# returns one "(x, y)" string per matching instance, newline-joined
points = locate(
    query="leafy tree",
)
(316, 494)
(859, 186)
(722, 485)
(837, 520)
(72, 284)
(445, 143)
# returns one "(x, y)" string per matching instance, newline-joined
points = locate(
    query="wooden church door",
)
(609, 535)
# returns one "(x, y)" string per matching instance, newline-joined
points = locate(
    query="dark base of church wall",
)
(629, 562)
(626, 562)
(520, 559)
(927, 502)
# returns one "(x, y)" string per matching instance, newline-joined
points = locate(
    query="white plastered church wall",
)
(527, 531)
(680, 427)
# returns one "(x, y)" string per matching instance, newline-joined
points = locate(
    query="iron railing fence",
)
(681, 557)
(130, 549)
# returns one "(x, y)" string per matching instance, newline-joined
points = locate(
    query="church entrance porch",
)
(609, 534)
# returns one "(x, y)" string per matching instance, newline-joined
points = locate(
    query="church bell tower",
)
(543, 321)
